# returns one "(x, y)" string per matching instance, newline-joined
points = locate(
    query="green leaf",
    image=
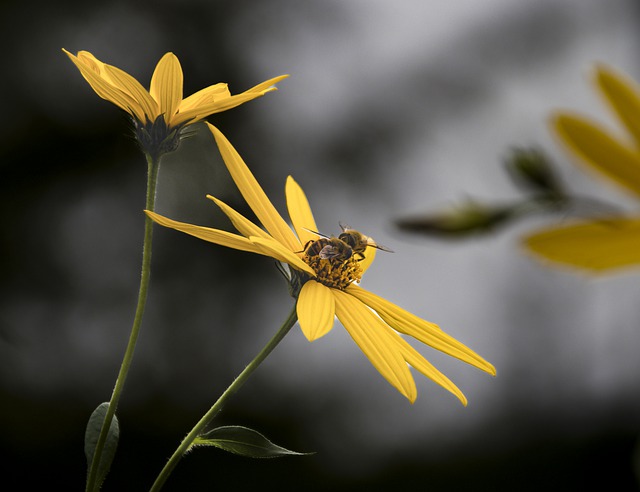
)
(243, 441)
(91, 439)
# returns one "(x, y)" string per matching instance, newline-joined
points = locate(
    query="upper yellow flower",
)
(164, 97)
(605, 242)
(328, 284)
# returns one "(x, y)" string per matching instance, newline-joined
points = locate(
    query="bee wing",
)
(345, 227)
(329, 251)
(380, 247)
(373, 244)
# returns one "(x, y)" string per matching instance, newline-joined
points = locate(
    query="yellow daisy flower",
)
(600, 244)
(160, 113)
(326, 287)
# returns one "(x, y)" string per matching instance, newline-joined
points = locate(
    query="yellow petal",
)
(316, 309)
(87, 58)
(267, 85)
(242, 224)
(209, 94)
(271, 247)
(596, 245)
(93, 63)
(375, 340)
(413, 358)
(369, 256)
(300, 212)
(623, 95)
(254, 195)
(147, 106)
(106, 90)
(599, 150)
(206, 108)
(215, 236)
(166, 86)
(217, 98)
(424, 331)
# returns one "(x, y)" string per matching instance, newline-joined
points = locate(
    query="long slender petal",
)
(87, 58)
(241, 223)
(275, 249)
(300, 212)
(99, 67)
(597, 245)
(267, 85)
(415, 360)
(599, 150)
(212, 93)
(424, 331)
(130, 85)
(205, 109)
(166, 85)
(215, 236)
(316, 309)
(254, 195)
(217, 98)
(375, 340)
(623, 95)
(103, 88)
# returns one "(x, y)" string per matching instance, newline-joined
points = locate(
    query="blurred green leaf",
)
(243, 441)
(466, 219)
(91, 439)
(533, 171)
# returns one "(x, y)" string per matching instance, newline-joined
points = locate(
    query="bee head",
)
(358, 241)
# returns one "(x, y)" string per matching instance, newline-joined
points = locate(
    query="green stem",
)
(233, 388)
(153, 166)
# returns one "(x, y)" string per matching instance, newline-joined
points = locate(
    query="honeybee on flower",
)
(349, 243)
(326, 287)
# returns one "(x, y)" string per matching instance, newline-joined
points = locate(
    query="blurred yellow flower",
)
(161, 112)
(327, 287)
(603, 243)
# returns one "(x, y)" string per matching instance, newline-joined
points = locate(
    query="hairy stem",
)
(233, 388)
(153, 166)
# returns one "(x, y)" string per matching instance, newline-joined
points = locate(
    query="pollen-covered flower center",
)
(334, 262)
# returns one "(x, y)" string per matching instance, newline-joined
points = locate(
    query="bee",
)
(329, 248)
(349, 243)
(357, 241)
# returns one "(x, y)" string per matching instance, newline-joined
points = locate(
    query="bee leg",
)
(306, 245)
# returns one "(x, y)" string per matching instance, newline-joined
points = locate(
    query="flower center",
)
(335, 272)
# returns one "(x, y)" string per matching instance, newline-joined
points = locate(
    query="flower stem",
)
(232, 389)
(153, 165)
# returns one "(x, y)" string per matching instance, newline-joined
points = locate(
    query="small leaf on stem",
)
(243, 441)
(91, 439)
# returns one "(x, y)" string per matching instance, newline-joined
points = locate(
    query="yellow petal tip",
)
(69, 54)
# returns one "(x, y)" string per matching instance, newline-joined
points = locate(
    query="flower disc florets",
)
(335, 272)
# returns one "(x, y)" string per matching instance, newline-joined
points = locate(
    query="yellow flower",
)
(328, 287)
(603, 243)
(160, 113)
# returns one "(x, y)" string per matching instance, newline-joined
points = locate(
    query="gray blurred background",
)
(391, 109)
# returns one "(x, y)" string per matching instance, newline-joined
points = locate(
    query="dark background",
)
(390, 109)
